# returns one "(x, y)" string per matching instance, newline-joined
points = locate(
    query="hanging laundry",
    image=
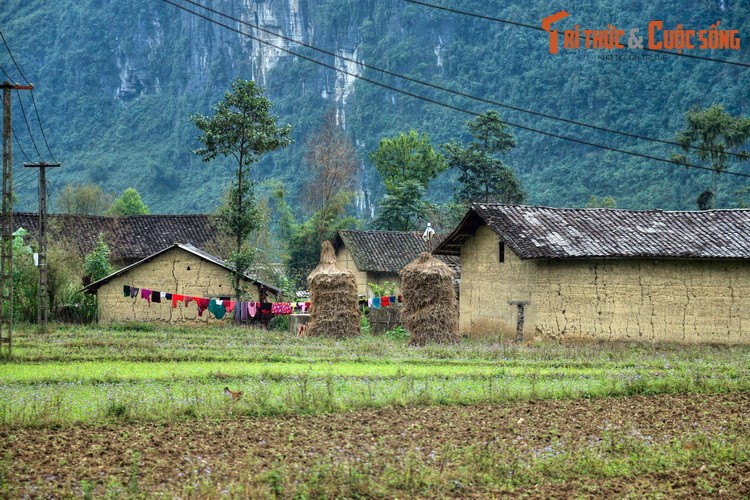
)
(189, 299)
(216, 307)
(176, 298)
(385, 301)
(400, 298)
(265, 307)
(252, 309)
(168, 296)
(202, 304)
(146, 294)
(281, 308)
(163, 295)
(133, 292)
(229, 304)
(156, 296)
(126, 291)
(375, 303)
(393, 299)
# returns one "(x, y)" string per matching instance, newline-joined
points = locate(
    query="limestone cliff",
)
(118, 81)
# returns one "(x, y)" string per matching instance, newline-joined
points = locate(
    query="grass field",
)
(322, 418)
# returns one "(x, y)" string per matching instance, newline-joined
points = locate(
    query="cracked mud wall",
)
(678, 300)
(487, 285)
(345, 260)
(175, 271)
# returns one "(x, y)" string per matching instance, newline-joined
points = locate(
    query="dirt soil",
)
(52, 462)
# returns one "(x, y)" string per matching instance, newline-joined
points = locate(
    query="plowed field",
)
(673, 445)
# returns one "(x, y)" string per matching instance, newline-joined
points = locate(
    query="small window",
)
(501, 252)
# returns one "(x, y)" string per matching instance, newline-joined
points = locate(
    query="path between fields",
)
(48, 461)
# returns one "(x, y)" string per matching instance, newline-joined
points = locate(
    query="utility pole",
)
(6, 231)
(43, 296)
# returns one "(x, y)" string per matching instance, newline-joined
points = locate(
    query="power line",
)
(24, 117)
(463, 94)
(6, 74)
(443, 104)
(10, 53)
(18, 143)
(41, 127)
(539, 28)
(15, 137)
(472, 14)
(28, 127)
(33, 100)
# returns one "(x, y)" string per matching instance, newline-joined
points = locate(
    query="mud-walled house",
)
(174, 272)
(378, 256)
(604, 274)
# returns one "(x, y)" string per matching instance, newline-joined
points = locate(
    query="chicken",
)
(235, 395)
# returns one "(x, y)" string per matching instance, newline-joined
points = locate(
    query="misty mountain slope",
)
(117, 83)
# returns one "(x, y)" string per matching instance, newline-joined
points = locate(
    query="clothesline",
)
(384, 301)
(218, 307)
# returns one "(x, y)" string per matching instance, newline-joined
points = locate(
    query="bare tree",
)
(88, 199)
(332, 161)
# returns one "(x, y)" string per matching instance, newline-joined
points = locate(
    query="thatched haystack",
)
(333, 293)
(430, 310)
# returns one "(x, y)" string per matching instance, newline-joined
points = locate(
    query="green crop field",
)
(124, 380)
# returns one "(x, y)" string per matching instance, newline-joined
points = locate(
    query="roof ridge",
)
(604, 209)
(558, 233)
(115, 216)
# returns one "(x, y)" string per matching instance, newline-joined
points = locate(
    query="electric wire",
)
(41, 127)
(28, 127)
(12, 58)
(472, 14)
(446, 105)
(25, 119)
(33, 100)
(539, 28)
(463, 94)
(10, 80)
(18, 143)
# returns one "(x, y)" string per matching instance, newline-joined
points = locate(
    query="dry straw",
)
(333, 293)
(430, 310)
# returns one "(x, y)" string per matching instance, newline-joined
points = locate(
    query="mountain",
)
(116, 84)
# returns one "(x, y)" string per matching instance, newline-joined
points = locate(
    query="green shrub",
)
(279, 323)
(387, 288)
(96, 264)
(364, 325)
(136, 326)
(398, 334)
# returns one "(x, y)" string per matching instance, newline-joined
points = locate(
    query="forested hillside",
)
(117, 82)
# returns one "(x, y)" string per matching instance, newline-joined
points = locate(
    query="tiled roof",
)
(574, 233)
(93, 287)
(130, 238)
(386, 251)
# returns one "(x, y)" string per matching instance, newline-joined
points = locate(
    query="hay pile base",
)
(430, 311)
(333, 293)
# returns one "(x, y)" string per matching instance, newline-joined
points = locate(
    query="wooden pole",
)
(42, 312)
(6, 231)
